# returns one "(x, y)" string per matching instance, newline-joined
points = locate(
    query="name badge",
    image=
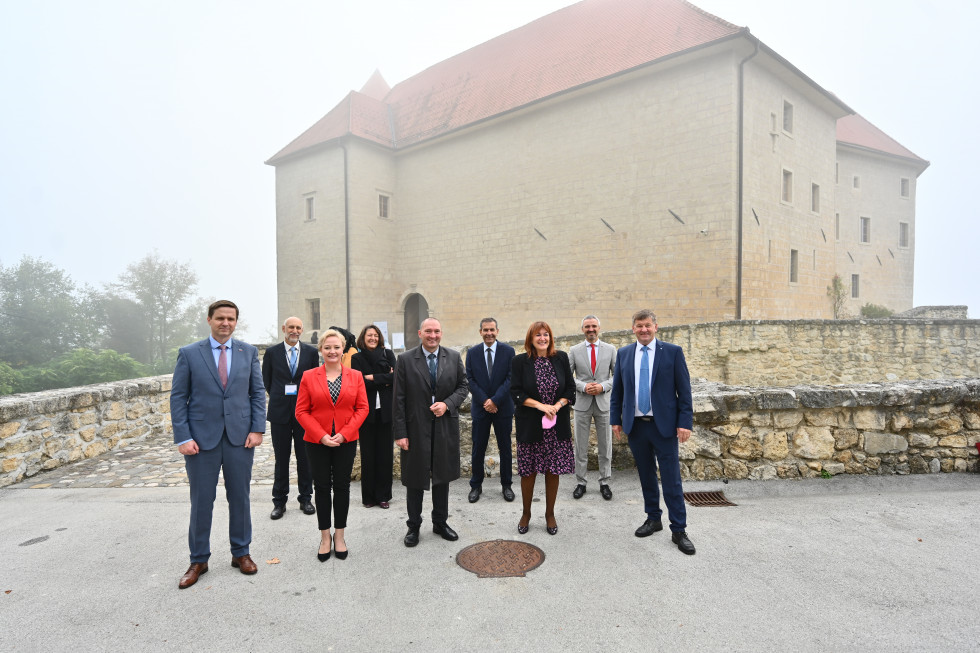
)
(291, 389)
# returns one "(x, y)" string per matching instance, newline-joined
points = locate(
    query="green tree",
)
(10, 379)
(42, 313)
(838, 295)
(874, 310)
(159, 291)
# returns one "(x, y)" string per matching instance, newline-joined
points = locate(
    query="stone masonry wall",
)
(44, 430)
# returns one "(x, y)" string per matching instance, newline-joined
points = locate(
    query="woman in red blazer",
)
(331, 406)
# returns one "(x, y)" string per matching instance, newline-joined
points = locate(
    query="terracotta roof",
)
(856, 130)
(570, 47)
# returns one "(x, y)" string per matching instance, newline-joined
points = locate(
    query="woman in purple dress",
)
(543, 389)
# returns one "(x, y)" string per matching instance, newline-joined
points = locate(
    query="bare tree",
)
(838, 295)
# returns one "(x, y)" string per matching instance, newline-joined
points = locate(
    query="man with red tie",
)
(592, 362)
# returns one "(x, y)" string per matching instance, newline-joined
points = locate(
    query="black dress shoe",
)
(649, 527)
(684, 544)
(508, 493)
(278, 512)
(475, 494)
(605, 492)
(322, 557)
(579, 491)
(446, 532)
(412, 537)
(308, 508)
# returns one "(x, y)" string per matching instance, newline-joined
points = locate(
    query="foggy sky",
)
(132, 126)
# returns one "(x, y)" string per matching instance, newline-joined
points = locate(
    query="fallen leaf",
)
(274, 561)
(920, 539)
(8, 591)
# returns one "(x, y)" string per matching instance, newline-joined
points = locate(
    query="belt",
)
(645, 419)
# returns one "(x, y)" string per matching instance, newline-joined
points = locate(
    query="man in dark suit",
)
(651, 402)
(488, 375)
(217, 408)
(282, 368)
(429, 388)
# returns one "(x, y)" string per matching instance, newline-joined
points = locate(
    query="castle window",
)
(903, 234)
(837, 226)
(383, 201)
(310, 208)
(857, 181)
(815, 198)
(313, 306)
(794, 266)
(787, 117)
(787, 186)
(905, 187)
(855, 286)
(865, 230)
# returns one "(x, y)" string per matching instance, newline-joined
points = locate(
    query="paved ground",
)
(850, 563)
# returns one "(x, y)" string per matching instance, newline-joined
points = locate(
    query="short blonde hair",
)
(331, 333)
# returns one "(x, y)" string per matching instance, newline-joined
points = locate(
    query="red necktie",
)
(593, 359)
(223, 366)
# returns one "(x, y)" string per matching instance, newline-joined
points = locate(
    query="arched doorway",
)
(416, 310)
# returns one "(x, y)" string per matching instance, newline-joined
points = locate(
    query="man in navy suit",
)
(651, 402)
(282, 368)
(488, 375)
(217, 408)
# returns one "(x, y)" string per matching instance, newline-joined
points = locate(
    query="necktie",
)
(593, 359)
(489, 361)
(432, 370)
(223, 366)
(292, 361)
(643, 394)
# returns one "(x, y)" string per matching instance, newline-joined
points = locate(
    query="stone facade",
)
(44, 430)
(936, 312)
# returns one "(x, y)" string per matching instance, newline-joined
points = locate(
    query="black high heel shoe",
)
(341, 555)
(322, 557)
(523, 529)
(552, 530)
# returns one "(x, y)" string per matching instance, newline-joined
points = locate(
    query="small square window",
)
(794, 266)
(310, 208)
(383, 206)
(857, 181)
(903, 234)
(855, 286)
(865, 230)
(905, 187)
(787, 117)
(815, 198)
(787, 186)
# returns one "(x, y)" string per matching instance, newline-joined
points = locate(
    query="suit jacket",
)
(484, 385)
(276, 375)
(319, 415)
(433, 442)
(670, 390)
(524, 385)
(580, 360)
(381, 366)
(201, 410)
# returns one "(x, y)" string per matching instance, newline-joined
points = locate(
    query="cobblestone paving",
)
(153, 462)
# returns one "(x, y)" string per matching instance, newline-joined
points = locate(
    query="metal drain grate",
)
(500, 558)
(707, 499)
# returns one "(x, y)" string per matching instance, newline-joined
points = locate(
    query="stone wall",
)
(937, 312)
(44, 430)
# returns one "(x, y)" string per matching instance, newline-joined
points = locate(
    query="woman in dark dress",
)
(376, 364)
(543, 389)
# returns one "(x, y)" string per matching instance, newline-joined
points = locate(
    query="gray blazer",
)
(579, 360)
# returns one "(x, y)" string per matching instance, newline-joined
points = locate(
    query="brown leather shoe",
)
(195, 571)
(245, 564)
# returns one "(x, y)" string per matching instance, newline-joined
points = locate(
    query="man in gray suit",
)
(592, 364)
(429, 387)
(217, 408)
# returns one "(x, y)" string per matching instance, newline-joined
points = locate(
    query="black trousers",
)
(285, 438)
(377, 460)
(331, 473)
(440, 505)
(502, 426)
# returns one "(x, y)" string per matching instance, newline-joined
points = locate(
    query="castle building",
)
(612, 155)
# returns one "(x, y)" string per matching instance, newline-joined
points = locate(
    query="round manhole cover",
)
(500, 558)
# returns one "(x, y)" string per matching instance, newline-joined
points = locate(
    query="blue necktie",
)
(292, 361)
(432, 370)
(643, 393)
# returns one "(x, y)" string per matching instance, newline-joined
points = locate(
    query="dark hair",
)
(529, 339)
(222, 303)
(487, 320)
(644, 314)
(360, 338)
